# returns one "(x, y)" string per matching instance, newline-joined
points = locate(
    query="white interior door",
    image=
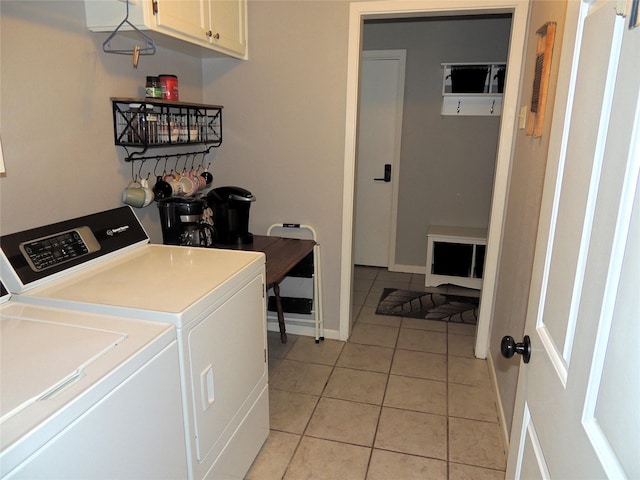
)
(577, 408)
(379, 130)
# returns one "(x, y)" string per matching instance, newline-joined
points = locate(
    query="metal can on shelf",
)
(152, 88)
(169, 87)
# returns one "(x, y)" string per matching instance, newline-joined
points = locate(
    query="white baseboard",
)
(494, 381)
(396, 267)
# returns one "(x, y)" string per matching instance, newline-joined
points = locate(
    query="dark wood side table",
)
(282, 254)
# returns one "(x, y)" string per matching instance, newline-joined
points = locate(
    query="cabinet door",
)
(105, 16)
(186, 19)
(229, 27)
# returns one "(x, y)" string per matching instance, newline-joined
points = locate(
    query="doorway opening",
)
(379, 11)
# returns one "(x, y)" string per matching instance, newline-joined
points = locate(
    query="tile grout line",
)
(395, 348)
(446, 378)
(321, 396)
(375, 433)
(313, 411)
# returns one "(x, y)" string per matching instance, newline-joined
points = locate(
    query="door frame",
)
(358, 12)
(401, 56)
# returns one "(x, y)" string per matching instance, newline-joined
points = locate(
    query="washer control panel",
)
(36, 256)
(50, 251)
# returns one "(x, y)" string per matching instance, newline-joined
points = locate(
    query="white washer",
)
(88, 396)
(215, 299)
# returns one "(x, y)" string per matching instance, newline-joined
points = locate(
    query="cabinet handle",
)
(211, 35)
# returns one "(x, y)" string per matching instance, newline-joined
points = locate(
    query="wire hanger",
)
(149, 47)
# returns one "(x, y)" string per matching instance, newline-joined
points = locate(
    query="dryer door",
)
(227, 351)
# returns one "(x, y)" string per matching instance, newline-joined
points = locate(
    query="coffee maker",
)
(182, 222)
(230, 207)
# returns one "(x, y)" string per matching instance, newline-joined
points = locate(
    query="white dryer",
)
(104, 264)
(84, 395)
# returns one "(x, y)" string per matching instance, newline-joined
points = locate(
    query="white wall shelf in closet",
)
(195, 27)
(473, 88)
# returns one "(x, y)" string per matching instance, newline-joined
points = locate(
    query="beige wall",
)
(56, 123)
(447, 163)
(283, 121)
(523, 209)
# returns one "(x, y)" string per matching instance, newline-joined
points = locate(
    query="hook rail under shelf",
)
(138, 156)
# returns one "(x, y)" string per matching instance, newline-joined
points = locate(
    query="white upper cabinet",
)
(186, 19)
(200, 26)
(473, 88)
(228, 27)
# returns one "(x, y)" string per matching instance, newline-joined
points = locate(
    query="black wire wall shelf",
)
(140, 124)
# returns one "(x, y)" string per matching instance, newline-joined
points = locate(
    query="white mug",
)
(149, 195)
(134, 195)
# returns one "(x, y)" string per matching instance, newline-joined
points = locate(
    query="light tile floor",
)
(403, 399)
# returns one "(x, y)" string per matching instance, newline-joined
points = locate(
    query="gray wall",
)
(447, 162)
(522, 212)
(284, 123)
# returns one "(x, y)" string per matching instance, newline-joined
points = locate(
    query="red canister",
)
(169, 86)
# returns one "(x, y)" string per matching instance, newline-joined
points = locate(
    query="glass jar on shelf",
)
(163, 128)
(184, 128)
(193, 128)
(152, 125)
(174, 128)
(202, 127)
(136, 123)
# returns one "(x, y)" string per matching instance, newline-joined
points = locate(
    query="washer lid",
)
(57, 364)
(38, 359)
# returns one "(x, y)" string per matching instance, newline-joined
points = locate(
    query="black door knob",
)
(509, 347)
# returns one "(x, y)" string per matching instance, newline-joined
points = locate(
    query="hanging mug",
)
(173, 180)
(208, 178)
(197, 179)
(189, 187)
(134, 195)
(149, 195)
(162, 189)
